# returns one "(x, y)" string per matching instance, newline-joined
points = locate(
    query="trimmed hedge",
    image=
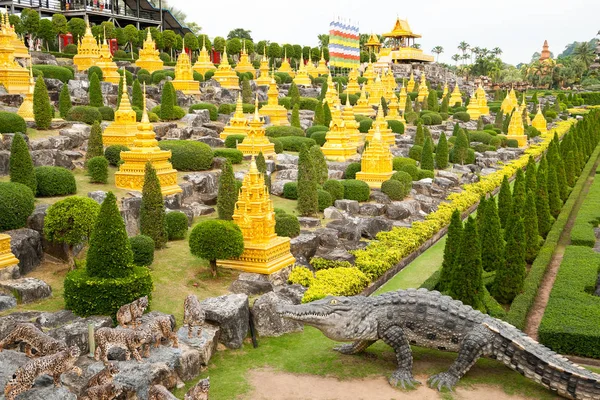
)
(86, 114)
(107, 113)
(356, 190)
(16, 205)
(588, 217)
(178, 112)
(177, 225)
(395, 189)
(301, 276)
(322, 263)
(324, 199)
(188, 155)
(54, 181)
(232, 141)
(286, 225)
(336, 282)
(399, 162)
(55, 72)
(316, 128)
(335, 189)
(98, 169)
(12, 123)
(113, 154)
(319, 137)
(233, 155)
(278, 145)
(396, 126)
(212, 109)
(462, 116)
(283, 131)
(230, 108)
(295, 143)
(142, 247)
(290, 190)
(351, 170)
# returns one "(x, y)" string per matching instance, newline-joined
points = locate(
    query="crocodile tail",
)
(537, 362)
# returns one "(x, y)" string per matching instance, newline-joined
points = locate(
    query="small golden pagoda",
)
(322, 67)
(375, 91)
(513, 98)
(106, 64)
(380, 124)
(353, 86)
(393, 110)
(338, 145)
(539, 122)
(376, 164)
(301, 78)
(506, 107)
(145, 149)
(184, 75)
(225, 75)
(149, 56)
(411, 83)
(26, 108)
(401, 49)
(238, 124)
(423, 90)
(203, 63)
(362, 106)
(7, 258)
(516, 130)
(351, 124)
(473, 108)
(369, 73)
(390, 85)
(88, 51)
(19, 48)
(256, 140)
(276, 113)
(14, 77)
(331, 93)
(455, 97)
(402, 97)
(445, 91)
(373, 44)
(286, 67)
(244, 65)
(482, 101)
(264, 79)
(124, 128)
(264, 251)
(310, 67)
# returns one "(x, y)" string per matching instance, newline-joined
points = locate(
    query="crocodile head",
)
(339, 318)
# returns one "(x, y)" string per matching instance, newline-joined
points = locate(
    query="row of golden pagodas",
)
(14, 77)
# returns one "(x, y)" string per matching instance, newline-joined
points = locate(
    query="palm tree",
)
(437, 50)
(455, 58)
(463, 47)
(584, 52)
(324, 39)
(496, 51)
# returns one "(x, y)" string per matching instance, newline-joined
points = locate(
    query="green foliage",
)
(290, 190)
(308, 202)
(54, 181)
(295, 143)
(509, 278)
(94, 70)
(316, 128)
(416, 152)
(394, 189)
(425, 173)
(20, 165)
(460, 152)
(12, 123)
(95, 92)
(335, 189)
(319, 137)
(16, 205)
(97, 169)
(232, 141)
(427, 156)
(532, 238)
(233, 155)
(107, 113)
(42, 109)
(319, 263)
(205, 106)
(396, 126)
(283, 131)
(143, 250)
(326, 114)
(295, 120)
(301, 275)
(319, 118)
(504, 202)
(177, 225)
(137, 95)
(441, 152)
(336, 282)
(54, 72)
(587, 218)
(286, 225)
(113, 154)
(545, 219)
(492, 244)
(365, 125)
(71, 220)
(432, 101)
(319, 164)
(461, 116)
(420, 135)
(95, 147)
(356, 190)
(412, 170)
(227, 194)
(167, 102)
(152, 211)
(85, 114)
(451, 251)
(64, 102)
(188, 155)
(466, 282)
(216, 239)
(399, 162)
(324, 199)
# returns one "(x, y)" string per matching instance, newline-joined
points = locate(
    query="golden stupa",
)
(26, 108)
(149, 56)
(264, 251)
(225, 75)
(353, 86)
(244, 65)
(410, 86)
(124, 128)
(351, 124)
(389, 84)
(373, 44)
(145, 149)
(184, 75)
(380, 124)
(394, 110)
(276, 113)
(376, 164)
(14, 77)
(539, 122)
(88, 51)
(338, 145)
(445, 90)
(286, 67)
(19, 48)
(301, 78)
(516, 130)
(455, 97)
(310, 67)
(423, 90)
(106, 63)
(238, 124)
(362, 106)
(264, 79)
(7, 258)
(322, 68)
(331, 94)
(203, 63)
(369, 73)
(402, 98)
(482, 101)
(473, 108)
(375, 91)
(510, 102)
(401, 50)
(256, 140)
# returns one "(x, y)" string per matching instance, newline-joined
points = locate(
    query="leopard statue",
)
(103, 377)
(107, 391)
(199, 391)
(159, 392)
(157, 329)
(33, 338)
(193, 314)
(132, 312)
(130, 340)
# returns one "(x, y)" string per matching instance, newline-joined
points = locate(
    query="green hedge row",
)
(188, 155)
(55, 72)
(588, 217)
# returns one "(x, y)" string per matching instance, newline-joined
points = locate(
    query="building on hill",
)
(403, 48)
(545, 52)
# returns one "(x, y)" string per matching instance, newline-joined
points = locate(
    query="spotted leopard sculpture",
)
(132, 312)
(157, 329)
(103, 377)
(199, 391)
(107, 391)
(130, 340)
(54, 365)
(430, 319)
(193, 314)
(34, 339)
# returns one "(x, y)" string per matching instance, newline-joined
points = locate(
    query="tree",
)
(42, 109)
(530, 221)
(228, 194)
(437, 50)
(95, 92)
(20, 165)
(246, 91)
(261, 166)
(584, 53)
(408, 106)
(294, 94)
(441, 152)
(466, 284)
(460, 152)
(169, 40)
(444, 106)
(239, 33)
(570, 168)
(30, 21)
(307, 184)
(498, 121)
(70, 221)
(77, 28)
(419, 135)
(326, 114)
(191, 41)
(504, 202)
(46, 32)
(319, 164)
(137, 96)
(427, 156)
(130, 34)
(554, 200)
(545, 219)
(219, 44)
(451, 250)
(323, 92)
(530, 175)
(214, 240)
(234, 47)
(319, 118)
(432, 101)
(519, 193)
(64, 101)
(508, 281)
(274, 50)
(167, 102)
(95, 147)
(295, 121)
(152, 211)
(492, 244)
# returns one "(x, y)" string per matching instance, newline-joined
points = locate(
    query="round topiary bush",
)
(462, 116)
(142, 247)
(412, 170)
(12, 123)
(95, 69)
(415, 152)
(278, 145)
(324, 198)
(290, 190)
(233, 155)
(16, 205)
(188, 155)
(98, 169)
(283, 131)
(216, 239)
(178, 113)
(286, 225)
(54, 181)
(158, 77)
(396, 126)
(403, 177)
(107, 113)
(121, 54)
(113, 154)
(351, 170)
(177, 225)
(85, 114)
(232, 141)
(55, 72)
(319, 137)
(399, 162)
(316, 128)
(335, 189)
(425, 173)
(365, 125)
(356, 190)
(295, 143)
(394, 189)
(70, 49)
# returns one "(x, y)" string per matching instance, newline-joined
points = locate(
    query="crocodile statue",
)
(430, 319)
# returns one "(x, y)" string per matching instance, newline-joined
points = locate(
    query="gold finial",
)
(256, 115)
(145, 119)
(203, 42)
(105, 35)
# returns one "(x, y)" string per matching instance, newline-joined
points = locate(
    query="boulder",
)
(130, 211)
(283, 158)
(293, 292)
(309, 222)
(197, 119)
(398, 210)
(372, 209)
(205, 185)
(198, 209)
(4, 162)
(251, 284)
(379, 197)
(327, 237)
(204, 340)
(332, 213)
(75, 333)
(350, 206)
(427, 204)
(36, 219)
(277, 187)
(266, 321)
(335, 254)
(348, 228)
(211, 141)
(162, 128)
(98, 196)
(7, 302)
(7, 323)
(26, 245)
(288, 175)
(231, 314)
(304, 245)
(334, 174)
(372, 226)
(26, 290)
(49, 320)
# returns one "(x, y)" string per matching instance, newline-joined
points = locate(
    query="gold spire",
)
(145, 120)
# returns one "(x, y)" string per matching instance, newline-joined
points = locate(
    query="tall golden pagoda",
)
(184, 75)
(401, 49)
(423, 90)
(482, 101)
(244, 65)
(14, 77)
(516, 130)
(322, 67)
(225, 75)
(88, 51)
(362, 106)
(19, 48)
(353, 86)
(402, 98)
(286, 67)
(256, 140)
(510, 102)
(264, 79)
(380, 124)
(203, 63)
(455, 97)
(473, 108)
(445, 91)
(124, 128)
(301, 78)
(149, 56)
(389, 84)
(264, 251)
(338, 145)
(375, 91)
(106, 63)
(331, 93)
(539, 122)
(145, 149)
(310, 67)
(276, 113)
(369, 73)
(7, 258)
(411, 83)
(238, 124)
(376, 164)
(393, 110)
(26, 108)
(351, 124)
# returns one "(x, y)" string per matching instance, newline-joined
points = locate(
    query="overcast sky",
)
(518, 27)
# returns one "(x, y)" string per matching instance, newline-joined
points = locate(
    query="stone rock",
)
(198, 209)
(211, 141)
(327, 237)
(7, 323)
(348, 228)
(332, 213)
(372, 226)
(75, 333)
(197, 119)
(350, 206)
(309, 222)
(448, 175)
(283, 158)
(36, 219)
(280, 277)
(293, 292)
(205, 185)
(9, 272)
(277, 187)
(304, 245)
(288, 175)
(239, 175)
(130, 211)
(251, 284)
(444, 182)
(336, 254)
(98, 196)
(231, 314)
(26, 290)
(162, 128)
(267, 322)
(372, 209)
(26, 245)
(7, 302)
(203, 340)
(51, 320)
(402, 209)
(379, 197)
(4, 162)
(334, 174)
(427, 204)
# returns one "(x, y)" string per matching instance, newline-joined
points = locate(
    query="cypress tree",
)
(417, 106)
(408, 106)
(498, 121)
(545, 220)
(530, 175)
(441, 152)
(20, 165)
(109, 254)
(460, 152)
(504, 202)
(294, 95)
(420, 135)
(427, 134)
(95, 92)
(95, 147)
(261, 165)
(532, 235)
(295, 116)
(137, 96)
(432, 101)
(554, 201)
(64, 101)
(326, 114)
(246, 91)
(120, 91)
(228, 193)
(480, 124)
(167, 102)
(444, 106)
(505, 123)
(570, 168)
(152, 211)
(308, 203)
(450, 251)
(323, 91)
(427, 156)
(42, 109)
(492, 243)
(319, 118)
(508, 281)
(467, 281)
(384, 106)
(519, 196)
(534, 98)
(319, 164)
(480, 212)
(456, 129)
(561, 177)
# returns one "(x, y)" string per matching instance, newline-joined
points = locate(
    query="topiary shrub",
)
(16, 205)
(351, 170)
(412, 170)
(107, 113)
(215, 240)
(461, 116)
(399, 162)
(513, 143)
(70, 49)
(177, 225)
(85, 114)
(394, 189)
(301, 276)
(97, 169)
(295, 143)
(316, 128)
(42, 109)
(142, 247)
(233, 155)
(12, 123)
(54, 72)
(416, 152)
(188, 155)
(290, 190)
(152, 210)
(365, 125)
(396, 126)
(113, 154)
(425, 173)
(20, 165)
(356, 190)
(205, 106)
(177, 113)
(54, 181)
(319, 263)
(283, 131)
(278, 145)
(286, 225)
(95, 70)
(324, 198)
(336, 282)
(335, 189)
(232, 141)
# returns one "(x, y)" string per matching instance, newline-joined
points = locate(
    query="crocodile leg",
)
(393, 336)
(354, 348)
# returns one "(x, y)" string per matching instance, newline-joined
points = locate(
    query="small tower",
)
(353, 86)
(377, 162)
(264, 79)
(473, 108)
(310, 67)
(375, 91)
(301, 78)
(149, 56)
(238, 124)
(362, 106)
(445, 91)
(402, 98)
(423, 90)
(256, 140)
(482, 101)
(14, 77)
(19, 48)
(124, 128)
(322, 67)
(244, 65)
(225, 75)
(276, 113)
(516, 130)
(455, 97)
(369, 73)
(106, 64)
(331, 94)
(184, 75)
(285, 65)
(203, 64)
(26, 108)
(88, 51)
(539, 122)
(410, 86)
(351, 125)
(338, 146)
(380, 124)
(545, 52)
(393, 110)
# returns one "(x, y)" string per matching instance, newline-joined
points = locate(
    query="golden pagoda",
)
(402, 97)
(482, 101)
(16, 79)
(331, 94)
(455, 97)
(19, 48)
(264, 79)
(244, 65)
(445, 91)
(238, 124)
(26, 108)
(539, 122)
(225, 75)
(362, 106)
(106, 64)
(545, 55)
(423, 90)
(88, 51)
(369, 73)
(375, 91)
(264, 251)
(145, 149)
(276, 113)
(338, 145)
(149, 56)
(124, 128)
(7, 258)
(322, 67)
(473, 108)
(286, 67)
(203, 63)
(516, 131)
(380, 124)
(411, 83)
(401, 49)
(310, 67)
(301, 78)
(376, 164)
(256, 140)
(393, 110)
(389, 84)
(373, 44)
(351, 124)
(353, 86)
(184, 75)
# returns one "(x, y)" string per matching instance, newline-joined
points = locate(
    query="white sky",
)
(518, 27)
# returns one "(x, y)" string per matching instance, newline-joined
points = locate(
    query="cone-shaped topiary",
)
(20, 165)
(167, 102)
(504, 202)
(95, 92)
(420, 135)
(456, 129)
(95, 147)
(319, 117)
(308, 202)
(432, 101)
(42, 109)
(109, 254)
(441, 152)
(294, 95)
(466, 284)
(152, 212)
(295, 121)
(227, 194)
(480, 212)
(460, 152)
(444, 106)
(97, 169)
(570, 168)
(519, 190)
(450, 250)
(509, 279)
(408, 106)
(64, 101)
(323, 91)
(246, 91)
(532, 235)
(530, 175)
(213, 240)
(120, 91)
(261, 165)
(492, 244)
(427, 156)
(319, 164)
(545, 219)
(554, 201)
(326, 114)
(498, 122)
(137, 96)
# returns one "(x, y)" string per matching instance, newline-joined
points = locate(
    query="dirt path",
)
(273, 385)
(539, 306)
